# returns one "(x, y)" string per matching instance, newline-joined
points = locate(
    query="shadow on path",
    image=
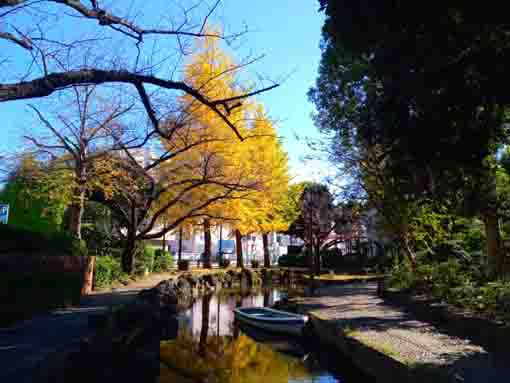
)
(437, 356)
(26, 346)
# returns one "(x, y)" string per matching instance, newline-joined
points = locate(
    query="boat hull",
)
(291, 326)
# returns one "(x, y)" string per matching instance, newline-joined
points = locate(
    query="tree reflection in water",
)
(202, 344)
(225, 360)
(200, 354)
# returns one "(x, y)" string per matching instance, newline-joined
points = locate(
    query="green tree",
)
(405, 83)
(37, 195)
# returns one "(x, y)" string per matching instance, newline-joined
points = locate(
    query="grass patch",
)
(25, 294)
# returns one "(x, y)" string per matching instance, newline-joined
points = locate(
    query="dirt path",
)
(355, 311)
(27, 345)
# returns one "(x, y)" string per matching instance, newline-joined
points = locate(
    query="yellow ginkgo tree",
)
(263, 211)
(256, 165)
(206, 163)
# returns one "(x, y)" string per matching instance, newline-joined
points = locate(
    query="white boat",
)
(272, 320)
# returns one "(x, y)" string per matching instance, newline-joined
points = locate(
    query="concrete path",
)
(29, 344)
(355, 311)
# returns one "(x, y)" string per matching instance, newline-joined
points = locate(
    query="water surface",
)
(211, 347)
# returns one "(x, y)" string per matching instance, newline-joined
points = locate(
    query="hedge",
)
(20, 240)
(108, 269)
(163, 261)
(293, 260)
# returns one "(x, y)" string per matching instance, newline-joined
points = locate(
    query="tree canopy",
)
(400, 85)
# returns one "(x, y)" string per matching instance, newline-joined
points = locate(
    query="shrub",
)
(224, 263)
(294, 250)
(144, 258)
(79, 248)
(99, 241)
(255, 264)
(163, 261)
(183, 265)
(402, 276)
(333, 259)
(22, 240)
(293, 260)
(453, 282)
(446, 276)
(108, 269)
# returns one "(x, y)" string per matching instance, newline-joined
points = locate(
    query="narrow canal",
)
(211, 347)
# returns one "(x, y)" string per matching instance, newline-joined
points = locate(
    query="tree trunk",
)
(494, 255)
(220, 250)
(76, 209)
(409, 252)
(317, 259)
(267, 257)
(128, 254)
(88, 275)
(204, 330)
(239, 249)
(179, 250)
(207, 243)
(267, 296)
(239, 303)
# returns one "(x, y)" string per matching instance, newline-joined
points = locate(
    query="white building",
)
(193, 244)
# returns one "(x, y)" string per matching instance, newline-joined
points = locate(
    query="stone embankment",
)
(176, 293)
(390, 343)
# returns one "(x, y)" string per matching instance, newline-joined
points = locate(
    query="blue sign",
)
(4, 213)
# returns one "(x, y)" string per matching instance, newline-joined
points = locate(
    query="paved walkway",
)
(364, 316)
(27, 345)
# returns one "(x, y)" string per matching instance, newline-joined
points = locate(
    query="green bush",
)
(99, 242)
(402, 276)
(144, 258)
(447, 276)
(489, 297)
(21, 240)
(294, 250)
(183, 265)
(293, 260)
(163, 261)
(453, 282)
(334, 259)
(108, 269)
(255, 264)
(79, 248)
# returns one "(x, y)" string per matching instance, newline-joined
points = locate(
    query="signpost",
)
(4, 213)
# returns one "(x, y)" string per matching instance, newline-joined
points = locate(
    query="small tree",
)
(37, 195)
(76, 139)
(321, 223)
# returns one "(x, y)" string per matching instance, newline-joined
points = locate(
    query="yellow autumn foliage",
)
(225, 360)
(257, 164)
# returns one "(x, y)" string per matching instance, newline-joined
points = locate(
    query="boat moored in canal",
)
(272, 320)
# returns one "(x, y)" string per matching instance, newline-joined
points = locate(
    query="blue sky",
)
(288, 33)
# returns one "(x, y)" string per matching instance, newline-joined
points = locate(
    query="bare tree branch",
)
(21, 41)
(51, 83)
(121, 24)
